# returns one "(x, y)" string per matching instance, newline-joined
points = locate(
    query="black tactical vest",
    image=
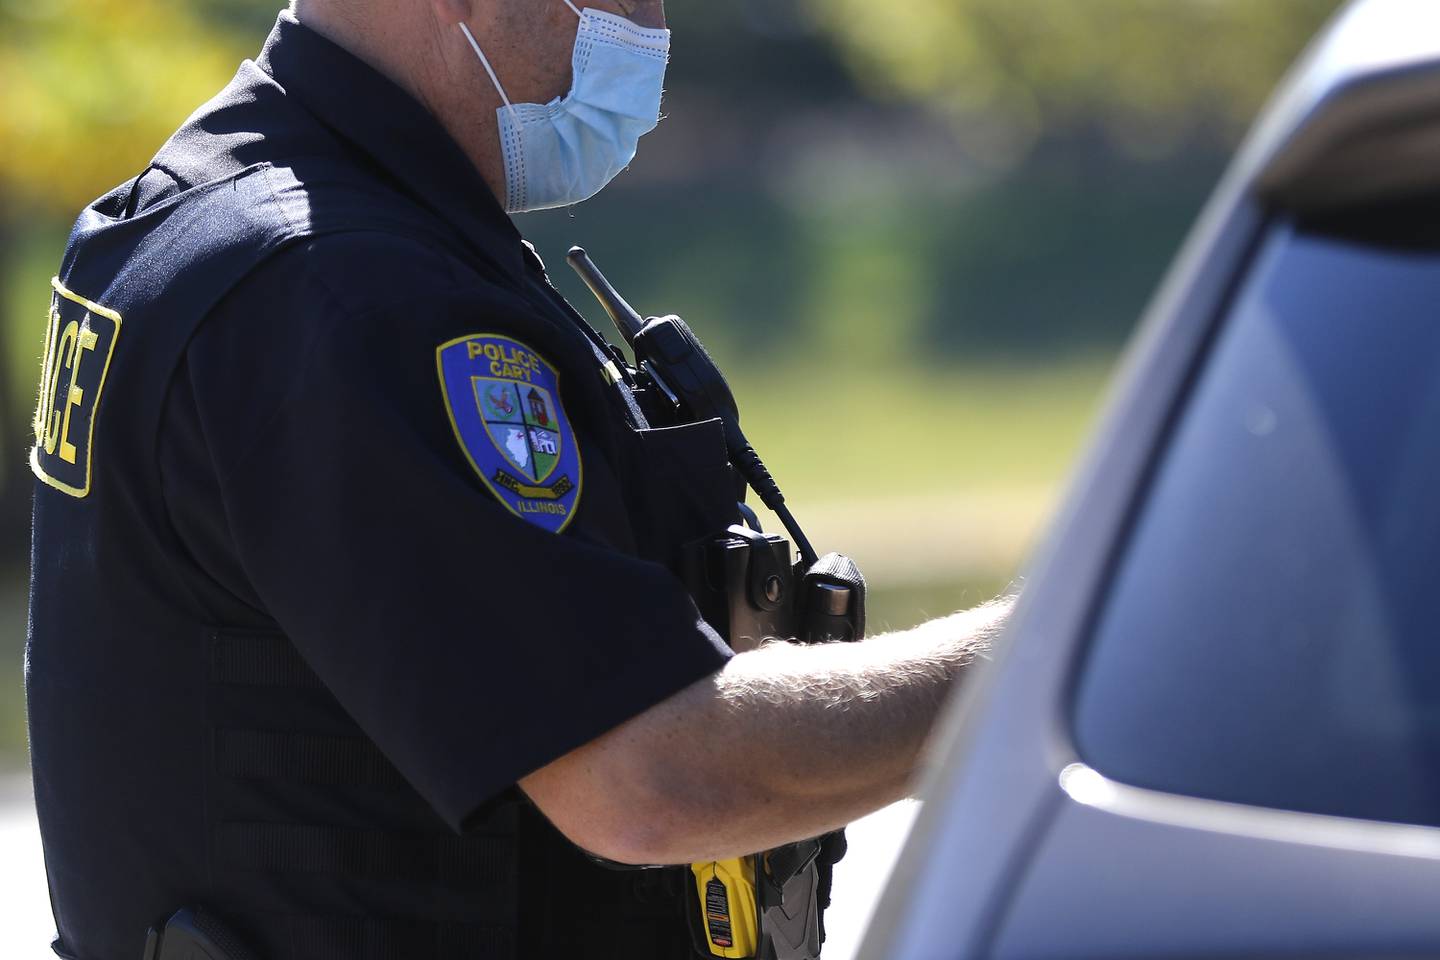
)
(180, 762)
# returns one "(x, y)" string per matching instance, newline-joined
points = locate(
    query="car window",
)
(1272, 632)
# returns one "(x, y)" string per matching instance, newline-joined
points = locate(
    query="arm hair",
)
(785, 742)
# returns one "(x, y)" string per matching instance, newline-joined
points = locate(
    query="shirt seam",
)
(172, 531)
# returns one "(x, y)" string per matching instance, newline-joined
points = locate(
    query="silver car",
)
(1214, 727)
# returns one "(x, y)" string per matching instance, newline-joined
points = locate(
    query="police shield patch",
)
(504, 403)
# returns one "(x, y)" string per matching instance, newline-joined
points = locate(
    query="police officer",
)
(353, 613)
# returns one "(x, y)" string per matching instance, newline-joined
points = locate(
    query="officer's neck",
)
(408, 47)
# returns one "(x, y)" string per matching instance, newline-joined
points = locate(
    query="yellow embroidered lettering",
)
(79, 347)
(75, 396)
(510, 371)
(541, 506)
(62, 361)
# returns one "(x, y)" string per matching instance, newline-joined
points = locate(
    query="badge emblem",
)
(504, 403)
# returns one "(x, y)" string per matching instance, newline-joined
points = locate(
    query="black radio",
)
(751, 587)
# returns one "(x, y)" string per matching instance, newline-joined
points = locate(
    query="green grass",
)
(895, 432)
(897, 607)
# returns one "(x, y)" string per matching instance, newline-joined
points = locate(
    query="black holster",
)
(195, 934)
(749, 588)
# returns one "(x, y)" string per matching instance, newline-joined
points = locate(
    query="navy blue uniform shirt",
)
(369, 538)
(312, 469)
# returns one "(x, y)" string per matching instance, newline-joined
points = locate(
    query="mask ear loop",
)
(485, 62)
(490, 71)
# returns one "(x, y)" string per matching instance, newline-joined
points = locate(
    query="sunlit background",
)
(916, 235)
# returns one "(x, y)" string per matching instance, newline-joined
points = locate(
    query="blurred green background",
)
(916, 235)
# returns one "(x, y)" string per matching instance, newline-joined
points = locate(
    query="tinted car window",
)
(1272, 634)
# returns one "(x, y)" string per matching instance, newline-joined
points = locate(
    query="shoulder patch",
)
(504, 403)
(79, 344)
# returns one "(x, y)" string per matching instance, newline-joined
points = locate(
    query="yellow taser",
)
(728, 909)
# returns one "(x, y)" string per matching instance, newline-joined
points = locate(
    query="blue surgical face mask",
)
(567, 150)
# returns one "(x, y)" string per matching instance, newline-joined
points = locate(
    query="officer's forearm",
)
(851, 714)
(785, 742)
(828, 734)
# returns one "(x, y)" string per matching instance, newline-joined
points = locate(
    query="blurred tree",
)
(1149, 73)
(88, 92)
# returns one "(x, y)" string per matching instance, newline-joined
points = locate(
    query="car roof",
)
(1358, 118)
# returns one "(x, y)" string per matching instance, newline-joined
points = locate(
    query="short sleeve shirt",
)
(314, 469)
